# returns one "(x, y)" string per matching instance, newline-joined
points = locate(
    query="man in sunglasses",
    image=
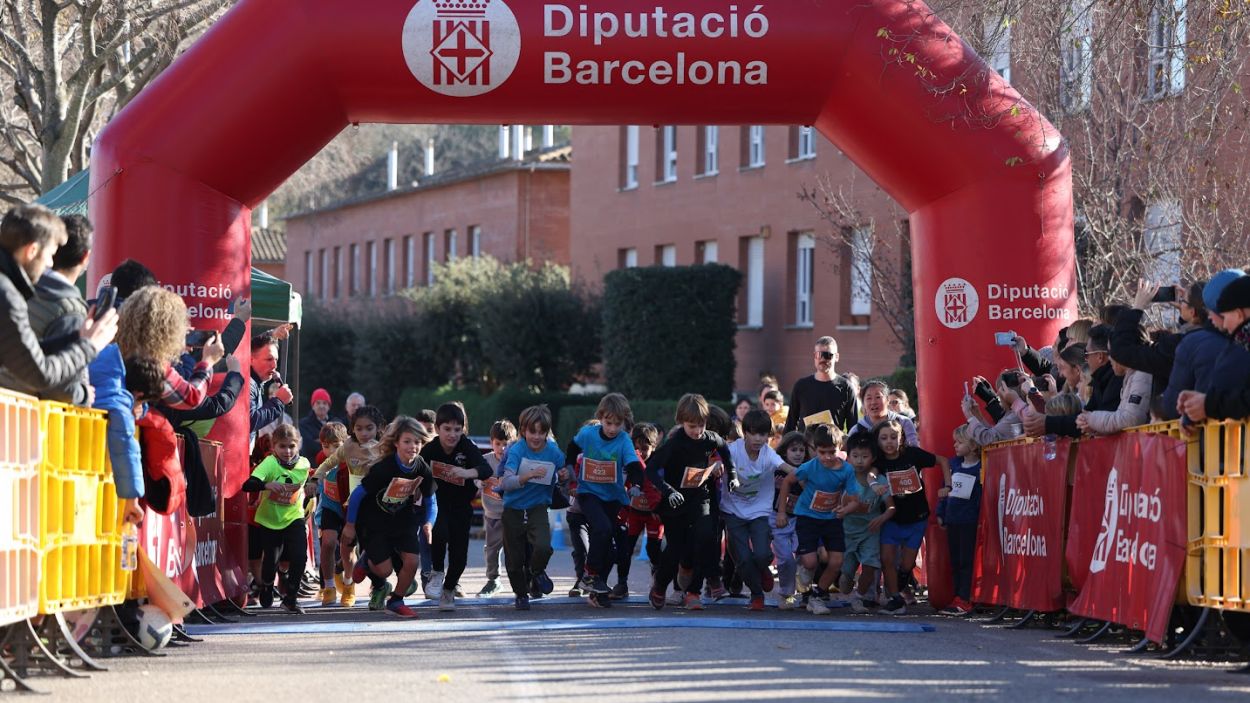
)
(823, 391)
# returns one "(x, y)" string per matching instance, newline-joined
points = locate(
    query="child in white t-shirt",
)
(747, 511)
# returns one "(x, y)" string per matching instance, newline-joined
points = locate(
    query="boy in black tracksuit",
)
(678, 470)
(456, 463)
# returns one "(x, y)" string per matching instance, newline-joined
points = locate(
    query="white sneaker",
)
(434, 589)
(447, 602)
(816, 606)
(788, 603)
(676, 598)
(857, 603)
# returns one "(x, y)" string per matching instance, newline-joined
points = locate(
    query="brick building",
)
(683, 195)
(373, 246)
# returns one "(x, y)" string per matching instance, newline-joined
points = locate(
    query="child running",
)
(681, 468)
(902, 535)
(280, 479)
(330, 518)
(825, 480)
(607, 457)
(389, 506)
(526, 476)
(502, 433)
(456, 463)
(747, 509)
(862, 521)
(958, 513)
(793, 449)
(638, 515)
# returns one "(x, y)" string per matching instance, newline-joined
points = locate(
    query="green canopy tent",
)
(274, 301)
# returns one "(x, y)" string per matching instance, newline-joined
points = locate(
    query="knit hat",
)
(1236, 295)
(321, 394)
(1215, 286)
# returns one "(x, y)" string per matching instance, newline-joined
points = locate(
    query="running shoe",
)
(657, 599)
(789, 602)
(619, 591)
(489, 590)
(600, 585)
(396, 606)
(816, 606)
(292, 606)
(447, 601)
(895, 606)
(693, 601)
(544, 582)
(377, 597)
(521, 602)
(757, 603)
(434, 587)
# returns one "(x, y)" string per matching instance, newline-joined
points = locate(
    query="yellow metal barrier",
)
(79, 516)
(1217, 568)
(19, 507)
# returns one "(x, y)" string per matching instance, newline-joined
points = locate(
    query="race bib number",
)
(548, 474)
(640, 502)
(490, 489)
(962, 485)
(905, 482)
(825, 501)
(446, 473)
(331, 486)
(289, 494)
(695, 477)
(824, 417)
(400, 490)
(598, 471)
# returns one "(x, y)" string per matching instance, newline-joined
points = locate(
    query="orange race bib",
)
(289, 494)
(904, 482)
(332, 490)
(825, 502)
(695, 477)
(490, 489)
(598, 471)
(400, 490)
(640, 502)
(446, 473)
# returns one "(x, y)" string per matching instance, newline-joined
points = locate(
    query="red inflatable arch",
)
(175, 174)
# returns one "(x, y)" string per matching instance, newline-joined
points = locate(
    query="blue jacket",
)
(108, 376)
(961, 511)
(1194, 366)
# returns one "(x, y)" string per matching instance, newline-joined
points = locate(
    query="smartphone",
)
(198, 338)
(105, 301)
(1004, 339)
(1165, 294)
(967, 393)
(1042, 383)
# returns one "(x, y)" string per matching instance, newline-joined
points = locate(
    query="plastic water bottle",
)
(1050, 447)
(130, 547)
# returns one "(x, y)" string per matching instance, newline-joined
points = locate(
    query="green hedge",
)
(670, 330)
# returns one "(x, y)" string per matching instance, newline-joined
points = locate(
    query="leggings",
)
(291, 543)
(689, 535)
(451, 541)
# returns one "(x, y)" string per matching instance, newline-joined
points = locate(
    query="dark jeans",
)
(289, 544)
(523, 528)
(625, 552)
(601, 518)
(689, 536)
(751, 546)
(451, 541)
(963, 546)
(579, 537)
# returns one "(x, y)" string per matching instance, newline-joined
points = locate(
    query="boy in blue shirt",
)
(607, 459)
(526, 475)
(862, 521)
(825, 480)
(958, 513)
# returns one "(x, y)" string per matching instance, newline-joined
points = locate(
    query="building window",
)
(1076, 57)
(709, 150)
(861, 271)
(429, 258)
(1166, 51)
(804, 273)
(666, 155)
(449, 244)
(371, 250)
(807, 143)
(336, 285)
(751, 253)
(475, 241)
(410, 261)
(1162, 241)
(996, 37)
(308, 273)
(666, 255)
(707, 252)
(389, 256)
(629, 157)
(323, 264)
(753, 146)
(626, 258)
(354, 269)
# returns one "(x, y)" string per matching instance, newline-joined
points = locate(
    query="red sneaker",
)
(766, 579)
(398, 607)
(694, 602)
(657, 599)
(757, 603)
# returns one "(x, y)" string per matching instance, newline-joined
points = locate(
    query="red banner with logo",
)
(1019, 559)
(1126, 538)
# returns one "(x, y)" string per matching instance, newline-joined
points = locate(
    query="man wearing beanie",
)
(310, 425)
(1228, 394)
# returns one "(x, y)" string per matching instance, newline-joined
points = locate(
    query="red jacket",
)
(165, 484)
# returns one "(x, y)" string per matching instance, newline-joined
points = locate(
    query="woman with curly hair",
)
(153, 325)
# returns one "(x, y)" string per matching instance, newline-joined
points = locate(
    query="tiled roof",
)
(268, 245)
(557, 158)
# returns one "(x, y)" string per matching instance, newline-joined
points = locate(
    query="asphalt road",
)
(563, 650)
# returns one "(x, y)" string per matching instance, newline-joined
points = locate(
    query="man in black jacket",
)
(823, 391)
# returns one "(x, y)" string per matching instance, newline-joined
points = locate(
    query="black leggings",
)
(689, 537)
(451, 541)
(625, 552)
(289, 544)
